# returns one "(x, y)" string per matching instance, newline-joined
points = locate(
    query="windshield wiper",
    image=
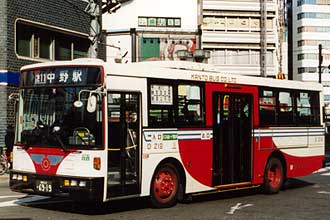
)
(59, 140)
(54, 132)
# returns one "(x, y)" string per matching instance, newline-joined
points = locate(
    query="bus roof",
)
(183, 70)
(180, 70)
(75, 62)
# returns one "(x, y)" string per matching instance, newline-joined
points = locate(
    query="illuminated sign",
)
(61, 76)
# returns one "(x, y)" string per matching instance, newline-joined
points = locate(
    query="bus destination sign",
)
(61, 76)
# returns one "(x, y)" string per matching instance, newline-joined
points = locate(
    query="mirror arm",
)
(99, 91)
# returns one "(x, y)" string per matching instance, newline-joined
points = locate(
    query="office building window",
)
(307, 70)
(240, 57)
(317, 15)
(23, 40)
(62, 49)
(36, 42)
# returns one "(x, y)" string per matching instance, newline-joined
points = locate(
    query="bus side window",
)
(304, 108)
(285, 114)
(189, 105)
(267, 108)
(161, 111)
(315, 103)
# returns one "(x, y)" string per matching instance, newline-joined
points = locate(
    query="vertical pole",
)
(320, 63)
(199, 23)
(290, 39)
(133, 43)
(95, 27)
(263, 38)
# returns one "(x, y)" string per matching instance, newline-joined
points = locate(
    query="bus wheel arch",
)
(275, 173)
(171, 172)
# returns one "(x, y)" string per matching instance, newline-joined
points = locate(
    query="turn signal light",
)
(97, 163)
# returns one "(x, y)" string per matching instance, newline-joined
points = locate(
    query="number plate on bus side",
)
(44, 186)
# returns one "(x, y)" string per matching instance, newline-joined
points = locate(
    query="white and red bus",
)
(96, 131)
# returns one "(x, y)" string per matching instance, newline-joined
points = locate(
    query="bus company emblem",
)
(45, 164)
(46, 161)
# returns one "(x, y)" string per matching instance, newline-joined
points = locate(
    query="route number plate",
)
(44, 186)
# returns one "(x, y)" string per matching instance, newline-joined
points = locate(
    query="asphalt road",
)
(303, 198)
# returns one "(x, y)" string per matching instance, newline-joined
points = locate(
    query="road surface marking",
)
(17, 196)
(22, 201)
(238, 206)
(323, 170)
(324, 192)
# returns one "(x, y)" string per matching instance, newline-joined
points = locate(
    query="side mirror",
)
(78, 104)
(91, 104)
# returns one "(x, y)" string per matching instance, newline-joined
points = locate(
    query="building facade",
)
(232, 32)
(310, 28)
(229, 29)
(37, 31)
(151, 30)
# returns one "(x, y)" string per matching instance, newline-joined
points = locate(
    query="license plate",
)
(44, 186)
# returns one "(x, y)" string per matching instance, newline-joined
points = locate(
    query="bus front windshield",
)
(48, 117)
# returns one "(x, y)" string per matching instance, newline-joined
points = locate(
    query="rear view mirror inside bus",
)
(91, 104)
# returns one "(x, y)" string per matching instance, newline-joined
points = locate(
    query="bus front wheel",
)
(164, 187)
(274, 176)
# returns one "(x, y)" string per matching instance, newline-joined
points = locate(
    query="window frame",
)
(293, 119)
(174, 108)
(39, 31)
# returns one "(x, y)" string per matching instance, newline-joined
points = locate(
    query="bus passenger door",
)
(123, 144)
(232, 124)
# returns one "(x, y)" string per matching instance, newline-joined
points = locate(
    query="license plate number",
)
(44, 186)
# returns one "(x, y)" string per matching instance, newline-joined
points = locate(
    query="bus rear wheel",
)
(164, 187)
(274, 176)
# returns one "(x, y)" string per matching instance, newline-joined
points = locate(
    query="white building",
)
(230, 29)
(311, 27)
(151, 29)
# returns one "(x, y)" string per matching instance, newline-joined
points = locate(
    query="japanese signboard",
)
(161, 95)
(61, 76)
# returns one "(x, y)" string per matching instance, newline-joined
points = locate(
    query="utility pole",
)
(94, 10)
(320, 63)
(263, 38)
(280, 33)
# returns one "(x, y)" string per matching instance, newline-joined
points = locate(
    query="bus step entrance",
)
(114, 178)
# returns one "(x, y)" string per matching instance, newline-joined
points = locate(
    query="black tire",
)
(274, 176)
(164, 187)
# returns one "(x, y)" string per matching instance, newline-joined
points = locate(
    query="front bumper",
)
(86, 189)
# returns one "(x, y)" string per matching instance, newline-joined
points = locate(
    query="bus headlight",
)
(74, 183)
(82, 183)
